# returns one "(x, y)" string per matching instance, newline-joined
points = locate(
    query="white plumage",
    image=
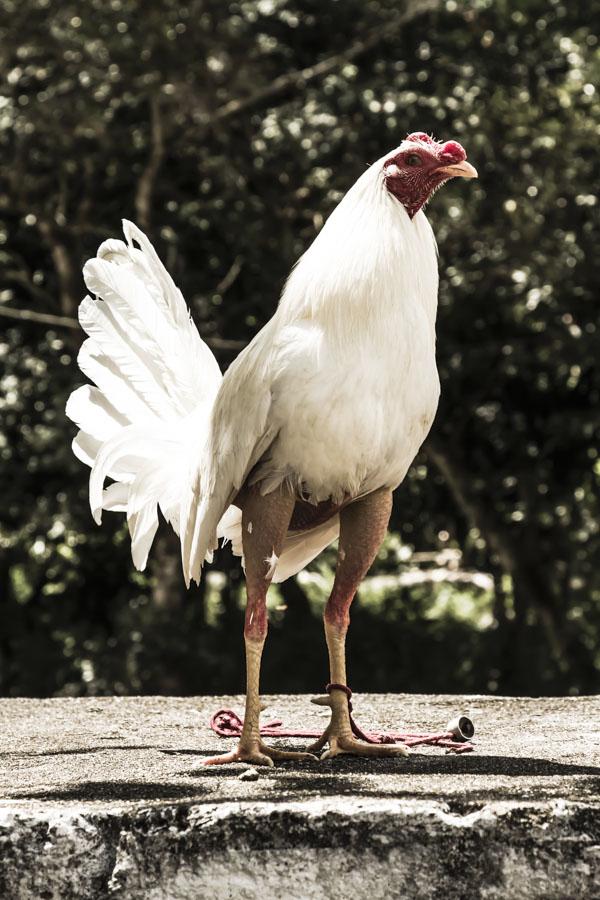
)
(334, 396)
(156, 384)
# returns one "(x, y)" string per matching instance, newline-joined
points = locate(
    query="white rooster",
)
(309, 431)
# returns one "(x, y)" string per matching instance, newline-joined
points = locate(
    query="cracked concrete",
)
(106, 798)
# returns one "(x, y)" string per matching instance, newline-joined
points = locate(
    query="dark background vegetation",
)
(229, 130)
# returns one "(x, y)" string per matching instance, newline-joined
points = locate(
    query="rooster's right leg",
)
(265, 522)
(363, 525)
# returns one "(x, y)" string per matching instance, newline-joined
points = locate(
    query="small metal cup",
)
(461, 728)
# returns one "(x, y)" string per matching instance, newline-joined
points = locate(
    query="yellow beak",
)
(462, 170)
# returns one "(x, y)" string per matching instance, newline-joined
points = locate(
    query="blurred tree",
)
(229, 131)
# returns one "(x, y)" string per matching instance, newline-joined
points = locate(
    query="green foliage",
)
(120, 108)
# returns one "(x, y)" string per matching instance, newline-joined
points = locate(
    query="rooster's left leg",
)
(265, 522)
(363, 525)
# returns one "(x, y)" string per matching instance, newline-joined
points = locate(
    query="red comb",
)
(420, 136)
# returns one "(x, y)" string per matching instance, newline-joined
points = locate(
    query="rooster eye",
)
(413, 159)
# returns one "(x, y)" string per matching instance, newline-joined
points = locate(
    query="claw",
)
(257, 759)
(322, 701)
(289, 754)
(329, 754)
(320, 742)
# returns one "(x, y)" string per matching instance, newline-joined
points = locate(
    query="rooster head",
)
(420, 166)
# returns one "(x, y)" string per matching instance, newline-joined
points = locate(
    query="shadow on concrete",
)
(346, 777)
(284, 784)
(513, 766)
(77, 751)
(114, 791)
(177, 752)
(467, 795)
(290, 788)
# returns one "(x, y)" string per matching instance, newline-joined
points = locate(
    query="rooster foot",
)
(256, 752)
(346, 743)
(338, 735)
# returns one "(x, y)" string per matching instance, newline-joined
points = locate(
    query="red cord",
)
(226, 723)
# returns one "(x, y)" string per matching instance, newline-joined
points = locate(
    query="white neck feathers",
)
(370, 259)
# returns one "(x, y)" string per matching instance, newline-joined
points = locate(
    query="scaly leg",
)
(363, 525)
(265, 522)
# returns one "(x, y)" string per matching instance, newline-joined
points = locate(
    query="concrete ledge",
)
(103, 798)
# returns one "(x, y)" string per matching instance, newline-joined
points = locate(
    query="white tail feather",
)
(94, 413)
(142, 528)
(100, 369)
(156, 381)
(114, 497)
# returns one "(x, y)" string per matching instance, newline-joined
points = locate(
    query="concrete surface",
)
(105, 798)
